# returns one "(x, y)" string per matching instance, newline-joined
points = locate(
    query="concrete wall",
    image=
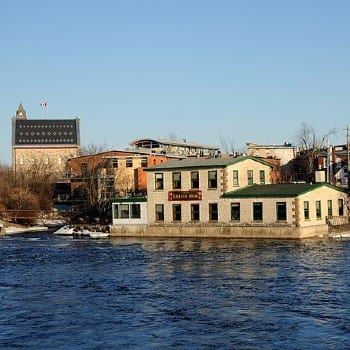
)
(219, 231)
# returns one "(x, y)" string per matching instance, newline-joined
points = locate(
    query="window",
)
(194, 212)
(194, 179)
(115, 164)
(212, 179)
(330, 207)
(257, 211)
(341, 207)
(124, 211)
(318, 209)
(128, 162)
(213, 211)
(235, 178)
(144, 163)
(159, 212)
(262, 177)
(235, 211)
(176, 181)
(135, 210)
(176, 212)
(250, 177)
(306, 210)
(84, 169)
(281, 211)
(127, 211)
(159, 181)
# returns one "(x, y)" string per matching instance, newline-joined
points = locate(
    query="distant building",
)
(170, 147)
(285, 152)
(43, 144)
(115, 173)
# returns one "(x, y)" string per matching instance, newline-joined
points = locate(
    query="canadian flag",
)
(43, 104)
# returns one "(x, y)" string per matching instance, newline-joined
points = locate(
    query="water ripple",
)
(59, 293)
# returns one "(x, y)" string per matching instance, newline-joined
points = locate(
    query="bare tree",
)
(227, 145)
(92, 148)
(310, 145)
(123, 181)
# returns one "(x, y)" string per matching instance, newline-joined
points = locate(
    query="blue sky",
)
(243, 71)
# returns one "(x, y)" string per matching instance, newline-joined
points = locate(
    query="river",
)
(63, 293)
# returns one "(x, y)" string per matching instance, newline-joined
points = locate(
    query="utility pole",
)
(348, 152)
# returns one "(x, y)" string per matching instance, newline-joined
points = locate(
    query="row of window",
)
(214, 212)
(212, 179)
(257, 211)
(46, 140)
(45, 126)
(49, 133)
(127, 211)
(129, 163)
(318, 209)
(45, 161)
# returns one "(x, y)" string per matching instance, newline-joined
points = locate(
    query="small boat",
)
(340, 235)
(98, 235)
(65, 231)
(11, 230)
(80, 232)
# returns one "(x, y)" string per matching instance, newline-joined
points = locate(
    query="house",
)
(189, 190)
(43, 145)
(234, 198)
(284, 210)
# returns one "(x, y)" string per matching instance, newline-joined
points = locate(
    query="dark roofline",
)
(207, 163)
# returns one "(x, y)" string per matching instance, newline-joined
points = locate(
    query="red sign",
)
(184, 195)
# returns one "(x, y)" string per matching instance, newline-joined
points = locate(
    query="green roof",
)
(194, 163)
(129, 200)
(277, 191)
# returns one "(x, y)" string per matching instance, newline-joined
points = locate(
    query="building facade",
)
(43, 144)
(234, 198)
(285, 152)
(189, 191)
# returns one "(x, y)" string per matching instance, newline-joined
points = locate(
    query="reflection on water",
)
(63, 293)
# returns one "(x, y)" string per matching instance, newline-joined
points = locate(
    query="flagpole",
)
(44, 105)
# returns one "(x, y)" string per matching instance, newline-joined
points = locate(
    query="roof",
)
(173, 143)
(44, 132)
(129, 200)
(277, 190)
(191, 163)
